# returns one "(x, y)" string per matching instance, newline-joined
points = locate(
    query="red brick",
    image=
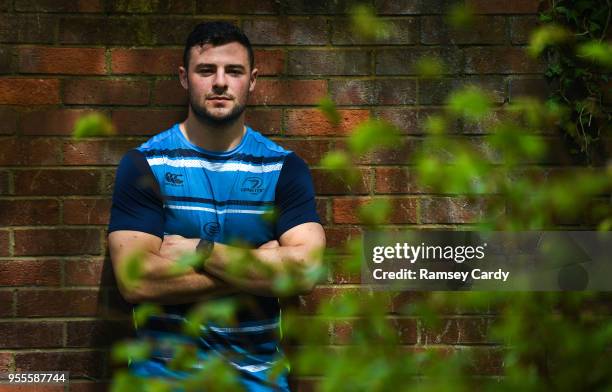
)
(484, 30)
(146, 122)
(58, 6)
(85, 386)
(458, 331)
(41, 242)
(6, 308)
(322, 210)
(108, 30)
(57, 182)
(304, 122)
(346, 331)
(56, 303)
(396, 180)
(86, 211)
(435, 92)
(266, 121)
(75, 61)
(146, 61)
(504, 60)
(311, 151)
(84, 272)
(521, 28)
(338, 237)
(30, 273)
(403, 31)
(106, 92)
(328, 62)
(4, 182)
(451, 210)
(139, 7)
(7, 60)
(31, 334)
(237, 7)
(8, 121)
(51, 122)
(79, 363)
(504, 7)
(288, 92)
(404, 61)
(169, 92)
(400, 154)
(394, 7)
(407, 120)
(29, 212)
(374, 92)
(36, 28)
(530, 87)
(346, 210)
(342, 274)
(28, 388)
(98, 152)
(29, 92)
(286, 31)
(4, 243)
(29, 152)
(269, 62)
(6, 361)
(327, 183)
(97, 333)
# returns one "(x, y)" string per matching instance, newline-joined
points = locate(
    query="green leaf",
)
(328, 108)
(131, 269)
(460, 16)
(367, 24)
(144, 311)
(428, 67)
(372, 134)
(92, 125)
(185, 262)
(131, 350)
(596, 52)
(374, 212)
(470, 102)
(545, 36)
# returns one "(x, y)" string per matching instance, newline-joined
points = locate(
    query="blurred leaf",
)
(372, 134)
(339, 164)
(219, 311)
(92, 125)
(131, 269)
(185, 262)
(374, 212)
(328, 108)
(144, 311)
(184, 358)
(131, 350)
(367, 24)
(470, 102)
(435, 125)
(460, 16)
(597, 52)
(547, 35)
(429, 67)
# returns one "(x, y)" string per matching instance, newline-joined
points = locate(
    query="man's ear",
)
(183, 77)
(253, 80)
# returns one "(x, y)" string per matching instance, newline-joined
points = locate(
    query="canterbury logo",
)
(174, 179)
(212, 229)
(252, 185)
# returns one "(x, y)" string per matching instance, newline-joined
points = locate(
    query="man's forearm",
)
(163, 280)
(258, 272)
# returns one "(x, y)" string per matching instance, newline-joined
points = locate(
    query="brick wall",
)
(61, 59)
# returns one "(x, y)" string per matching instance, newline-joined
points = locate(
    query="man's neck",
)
(211, 137)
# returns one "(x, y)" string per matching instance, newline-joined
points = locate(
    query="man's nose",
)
(220, 82)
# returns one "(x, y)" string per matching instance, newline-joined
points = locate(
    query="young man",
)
(204, 185)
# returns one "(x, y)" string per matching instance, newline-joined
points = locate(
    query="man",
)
(204, 185)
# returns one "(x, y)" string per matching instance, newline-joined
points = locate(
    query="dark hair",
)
(216, 33)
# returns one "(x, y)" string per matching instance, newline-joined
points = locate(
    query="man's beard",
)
(202, 113)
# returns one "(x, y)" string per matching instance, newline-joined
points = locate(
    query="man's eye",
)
(205, 71)
(235, 72)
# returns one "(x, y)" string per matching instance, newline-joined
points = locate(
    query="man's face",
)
(218, 80)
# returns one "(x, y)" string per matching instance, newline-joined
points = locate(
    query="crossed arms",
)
(298, 249)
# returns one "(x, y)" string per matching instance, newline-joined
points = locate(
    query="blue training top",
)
(171, 186)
